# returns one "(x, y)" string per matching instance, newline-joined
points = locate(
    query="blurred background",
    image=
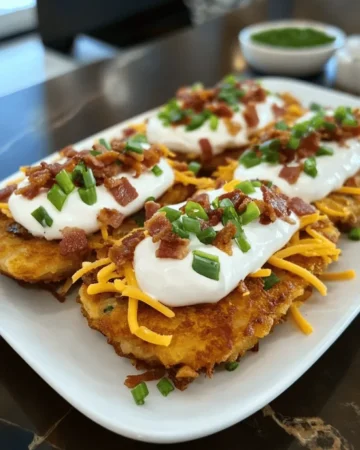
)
(42, 39)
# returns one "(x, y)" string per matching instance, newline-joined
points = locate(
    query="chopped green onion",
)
(95, 152)
(310, 167)
(226, 203)
(197, 120)
(249, 159)
(171, 213)
(329, 125)
(214, 122)
(240, 237)
(206, 265)
(269, 184)
(89, 179)
(157, 171)
(195, 210)
(301, 129)
(341, 112)
(41, 215)
(349, 121)
(354, 234)
(139, 393)
(194, 167)
(256, 183)
(325, 151)
(63, 179)
(231, 366)
(177, 228)
(207, 235)
(150, 199)
(197, 86)
(229, 79)
(77, 173)
(165, 387)
(56, 196)
(108, 309)
(215, 203)
(317, 122)
(281, 125)
(269, 149)
(136, 143)
(229, 211)
(293, 143)
(88, 195)
(104, 143)
(172, 113)
(251, 213)
(316, 108)
(246, 187)
(230, 94)
(139, 218)
(270, 281)
(191, 225)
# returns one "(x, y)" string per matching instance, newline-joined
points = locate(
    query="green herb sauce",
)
(292, 37)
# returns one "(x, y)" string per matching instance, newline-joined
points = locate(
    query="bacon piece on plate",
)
(74, 241)
(250, 115)
(299, 207)
(150, 209)
(290, 173)
(110, 217)
(277, 110)
(158, 226)
(223, 240)
(275, 206)
(173, 246)
(206, 149)
(150, 375)
(119, 254)
(7, 191)
(123, 192)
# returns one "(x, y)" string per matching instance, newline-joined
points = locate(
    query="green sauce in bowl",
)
(292, 37)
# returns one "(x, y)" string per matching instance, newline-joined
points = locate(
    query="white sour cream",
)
(175, 283)
(76, 213)
(180, 140)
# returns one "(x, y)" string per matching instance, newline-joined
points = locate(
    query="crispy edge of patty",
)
(208, 334)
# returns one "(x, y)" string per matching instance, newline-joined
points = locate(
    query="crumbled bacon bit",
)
(221, 110)
(299, 207)
(29, 191)
(223, 239)
(150, 375)
(180, 166)
(110, 217)
(275, 206)
(215, 216)
(119, 254)
(124, 193)
(277, 110)
(202, 199)
(151, 157)
(309, 145)
(255, 93)
(7, 191)
(232, 126)
(173, 246)
(150, 209)
(68, 151)
(236, 196)
(206, 149)
(158, 226)
(74, 241)
(290, 174)
(127, 132)
(250, 115)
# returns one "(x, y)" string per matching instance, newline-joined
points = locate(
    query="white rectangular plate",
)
(54, 339)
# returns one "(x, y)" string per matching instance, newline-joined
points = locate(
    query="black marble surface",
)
(320, 411)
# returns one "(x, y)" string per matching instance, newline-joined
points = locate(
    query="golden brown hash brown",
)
(33, 260)
(208, 334)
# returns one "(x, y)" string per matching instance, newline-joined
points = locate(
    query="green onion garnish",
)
(95, 152)
(136, 143)
(249, 159)
(246, 187)
(269, 149)
(329, 125)
(63, 179)
(240, 237)
(197, 86)
(270, 281)
(157, 171)
(325, 151)
(354, 234)
(88, 195)
(293, 143)
(207, 235)
(310, 167)
(177, 228)
(171, 213)
(139, 393)
(194, 167)
(191, 225)
(77, 173)
(281, 125)
(89, 179)
(41, 215)
(139, 218)
(349, 121)
(197, 120)
(172, 113)
(230, 94)
(316, 107)
(301, 129)
(256, 183)
(56, 196)
(215, 203)
(341, 112)
(206, 265)
(230, 366)
(317, 122)
(195, 210)
(165, 387)
(214, 122)
(150, 199)
(105, 143)
(108, 309)
(251, 213)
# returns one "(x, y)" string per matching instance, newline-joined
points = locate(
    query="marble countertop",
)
(321, 411)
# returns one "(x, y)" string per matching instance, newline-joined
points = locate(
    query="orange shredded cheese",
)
(139, 127)
(130, 291)
(316, 249)
(299, 319)
(4, 206)
(230, 185)
(339, 276)
(99, 288)
(188, 177)
(166, 152)
(313, 233)
(348, 190)
(261, 273)
(104, 232)
(105, 273)
(330, 211)
(309, 219)
(87, 267)
(226, 173)
(65, 287)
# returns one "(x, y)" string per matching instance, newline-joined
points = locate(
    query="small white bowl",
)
(348, 65)
(289, 61)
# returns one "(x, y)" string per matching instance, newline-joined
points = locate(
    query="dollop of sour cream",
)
(333, 170)
(180, 140)
(175, 283)
(76, 213)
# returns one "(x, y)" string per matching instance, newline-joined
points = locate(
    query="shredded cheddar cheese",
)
(226, 173)
(98, 288)
(302, 249)
(299, 319)
(313, 233)
(348, 190)
(136, 293)
(65, 287)
(309, 219)
(4, 206)
(166, 152)
(106, 272)
(86, 267)
(139, 127)
(104, 232)
(338, 276)
(188, 177)
(330, 211)
(261, 273)
(230, 186)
